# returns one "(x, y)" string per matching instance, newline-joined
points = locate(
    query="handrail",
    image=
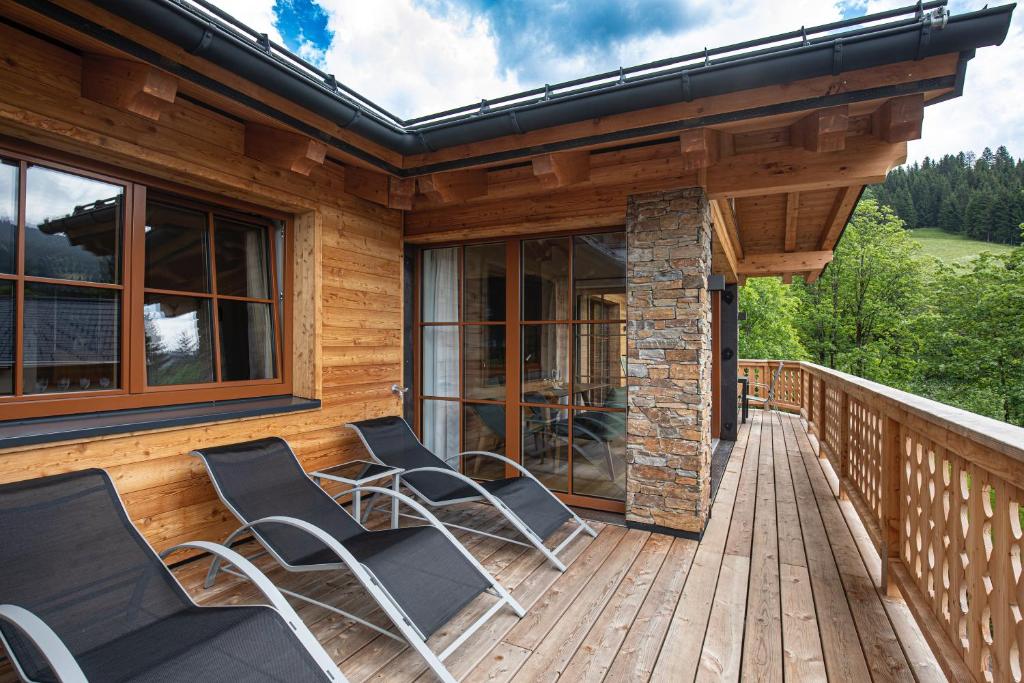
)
(940, 492)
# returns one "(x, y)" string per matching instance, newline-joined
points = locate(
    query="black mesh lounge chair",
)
(529, 507)
(84, 598)
(419, 576)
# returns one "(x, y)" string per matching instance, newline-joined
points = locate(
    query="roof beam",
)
(728, 212)
(866, 160)
(838, 215)
(562, 169)
(400, 193)
(720, 225)
(899, 119)
(699, 147)
(369, 185)
(129, 86)
(453, 186)
(792, 216)
(823, 130)
(759, 265)
(283, 148)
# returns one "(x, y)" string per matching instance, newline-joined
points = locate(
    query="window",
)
(522, 348)
(116, 295)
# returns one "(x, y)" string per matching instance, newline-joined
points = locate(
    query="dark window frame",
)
(134, 392)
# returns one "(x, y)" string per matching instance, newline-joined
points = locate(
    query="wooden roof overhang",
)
(783, 164)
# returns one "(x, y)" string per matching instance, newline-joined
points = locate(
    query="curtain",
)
(440, 361)
(261, 331)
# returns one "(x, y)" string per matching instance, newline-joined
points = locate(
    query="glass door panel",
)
(483, 429)
(545, 445)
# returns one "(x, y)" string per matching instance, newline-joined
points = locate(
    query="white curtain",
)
(440, 362)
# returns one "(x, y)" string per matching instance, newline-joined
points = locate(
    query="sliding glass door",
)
(522, 352)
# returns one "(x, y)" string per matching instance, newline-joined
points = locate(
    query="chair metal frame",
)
(65, 666)
(768, 402)
(410, 633)
(534, 541)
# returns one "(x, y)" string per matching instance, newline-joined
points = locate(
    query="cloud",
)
(415, 57)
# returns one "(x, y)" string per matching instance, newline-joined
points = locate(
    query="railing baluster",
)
(892, 460)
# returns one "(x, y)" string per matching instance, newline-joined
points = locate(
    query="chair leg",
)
(369, 508)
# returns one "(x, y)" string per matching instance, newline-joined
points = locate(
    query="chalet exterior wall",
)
(668, 476)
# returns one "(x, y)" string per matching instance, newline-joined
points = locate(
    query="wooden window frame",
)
(513, 324)
(134, 391)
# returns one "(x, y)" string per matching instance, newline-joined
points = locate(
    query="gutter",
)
(214, 40)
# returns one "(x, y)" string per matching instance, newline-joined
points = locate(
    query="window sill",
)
(44, 430)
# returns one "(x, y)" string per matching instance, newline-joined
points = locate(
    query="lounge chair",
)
(420, 577)
(84, 598)
(529, 507)
(769, 399)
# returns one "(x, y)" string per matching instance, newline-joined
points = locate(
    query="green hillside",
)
(953, 247)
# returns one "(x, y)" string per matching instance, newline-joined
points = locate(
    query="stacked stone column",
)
(668, 476)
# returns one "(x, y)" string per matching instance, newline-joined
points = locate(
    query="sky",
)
(416, 57)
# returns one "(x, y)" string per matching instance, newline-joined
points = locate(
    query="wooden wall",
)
(347, 305)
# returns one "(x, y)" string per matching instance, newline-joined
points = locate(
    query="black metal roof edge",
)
(199, 33)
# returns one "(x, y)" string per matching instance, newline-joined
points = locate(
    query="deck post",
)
(729, 365)
(668, 474)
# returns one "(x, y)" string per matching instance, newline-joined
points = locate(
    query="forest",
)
(882, 310)
(981, 197)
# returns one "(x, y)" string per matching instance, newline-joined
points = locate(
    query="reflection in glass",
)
(243, 263)
(441, 430)
(545, 279)
(6, 337)
(484, 374)
(599, 276)
(440, 360)
(246, 340)
(599, 454)
(483, 296)
(179, 344)
(8, 217)
(72, 226)
(600, 365)
(545, 363)
(545, 449)
(483, 426)
(177, 248)
(440, 290)
(72, 339)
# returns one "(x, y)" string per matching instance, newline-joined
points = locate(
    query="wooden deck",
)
(777, 589)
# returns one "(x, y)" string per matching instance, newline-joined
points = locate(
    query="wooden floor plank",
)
(882, 650)
(595, 654)
(844, 657)
(680, 653)
(500, 665)
(557, 645)
(762, 639)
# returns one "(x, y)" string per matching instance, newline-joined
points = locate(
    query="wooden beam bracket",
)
(400, 193)
(129, 86)
(562, 169)
(283, 148)
(700, 148)
(899, 119)
(823, 130)
(453, 186)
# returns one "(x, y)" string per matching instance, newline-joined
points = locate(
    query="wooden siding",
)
(346, 286)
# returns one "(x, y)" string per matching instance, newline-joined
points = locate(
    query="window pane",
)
(179, 341)
(440, 290)
(441, 360)
(545, 363)
(483, 296)
(6, 337)
(246, 340)
(242, 259)
(546, 446)
(599, 276)
(8, 217)
(600, 360)
(177, 248)
(546, 279)
(599, 454)
(483, 430)
(441, 430)
(72, 338)
(484, 375)
(72, 227)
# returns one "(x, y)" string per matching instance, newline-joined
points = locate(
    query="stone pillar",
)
(668, 475)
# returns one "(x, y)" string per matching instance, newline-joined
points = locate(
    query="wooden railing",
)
(939, 491)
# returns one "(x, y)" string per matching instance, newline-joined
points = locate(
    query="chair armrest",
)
(274, 596)
(53, 649)
(502, 458)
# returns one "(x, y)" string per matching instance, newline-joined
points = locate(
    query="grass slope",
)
(951, 247)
